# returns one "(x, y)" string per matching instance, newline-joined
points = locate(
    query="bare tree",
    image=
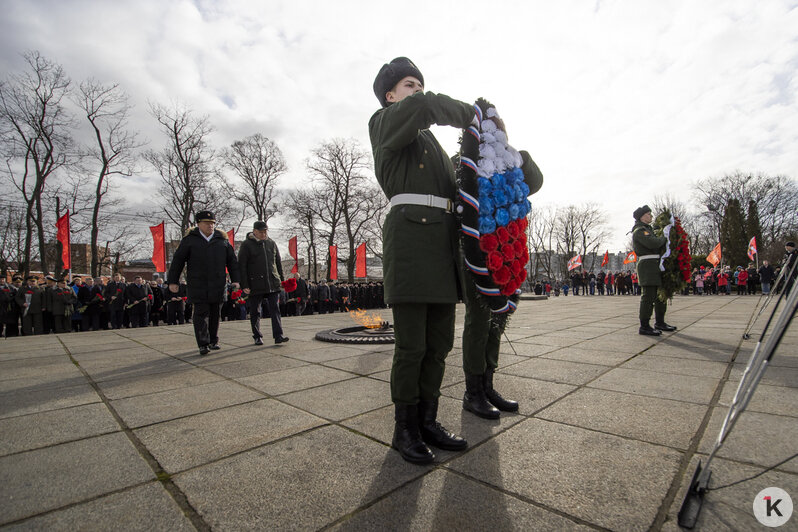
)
(258, 162)
(580, 230)
(190, 180)
(345, 193)
(107, 110)
(699, 227)
(35, 142)
(301, 209)
(12, 237)
(542, 241)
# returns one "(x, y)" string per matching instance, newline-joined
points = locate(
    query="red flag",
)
(630, 257)
(159, 246)
(63, 236)
(575, 262)
(231, 237)
(334, 263)
(752, 248)
(606, 259)
(360, 260)
(715, 256)
(292, 252)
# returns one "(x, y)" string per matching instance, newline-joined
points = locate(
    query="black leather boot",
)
(662, 326)
(406, 436)
(495, 397)
(474, 399)
(645, 329)
(433, 433)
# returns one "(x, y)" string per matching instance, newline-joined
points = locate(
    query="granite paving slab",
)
(588, 356)
(655, 384)
(158, 382)
(531, 394)
(253, 366)
(556, 370)
(698, 368)
(767, 399)
(37, 399)
(295, 379)
(364, 364)
(341, 400)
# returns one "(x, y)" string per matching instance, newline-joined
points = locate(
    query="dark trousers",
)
(650, 302)
(91, 319)
(117, 318)
(480, 339)
(174, 311)
(62, 324)
(32, 324)
(424, 336)
(272, 303)
(47, 322)
(12, 329)
(138, 316)
(206, 322)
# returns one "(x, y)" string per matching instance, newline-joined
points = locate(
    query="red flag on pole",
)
(630, 257)
(575, 262)
(606, 259)
(360, 260)
(292, 252)
(231, 237)
(715, 256)
(334, 263)
(752, 248)
(159, 246)
(63, 236)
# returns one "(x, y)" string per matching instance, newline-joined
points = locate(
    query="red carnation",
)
(299, 300)
(149, 296)
(488, 243)
(523, 223)
(29, 292)
(525, 256)
(184, 298)
(502, 275)
(508, 251)
(118, 290)
(495, 260)
(509, 289)
(513, 228)
(516, 267)
(101, 297)
(289, 284)
(519, 246)
(503, 234)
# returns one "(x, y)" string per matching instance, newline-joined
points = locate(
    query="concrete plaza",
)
(133, 430)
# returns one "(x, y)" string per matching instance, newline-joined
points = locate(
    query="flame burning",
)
(367, 319)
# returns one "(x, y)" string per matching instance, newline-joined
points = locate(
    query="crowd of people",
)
(90, 304)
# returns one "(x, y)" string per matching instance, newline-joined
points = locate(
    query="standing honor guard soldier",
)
(62, 306)
(649, 248)
(261, 275)
(421, 249)
(205, 252)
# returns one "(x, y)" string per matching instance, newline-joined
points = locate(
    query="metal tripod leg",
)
(757, 364)
(747, 333)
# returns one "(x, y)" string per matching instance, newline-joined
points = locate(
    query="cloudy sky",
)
(617, 101)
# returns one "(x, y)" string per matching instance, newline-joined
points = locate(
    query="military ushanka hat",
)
(640, 211)
(392, 73)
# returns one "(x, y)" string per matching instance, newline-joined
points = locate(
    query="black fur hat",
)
(640, 211)
(392, 73)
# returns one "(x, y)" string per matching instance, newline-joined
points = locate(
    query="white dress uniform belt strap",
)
(427, 200)
(644, 257)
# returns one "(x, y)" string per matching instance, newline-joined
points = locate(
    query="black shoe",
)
(433, 433)
(258, 341)
(648, 331)
(407, 438)
(474, 399)
(664, 327)
(215, 347)
(204, 350)
(495, 397)
(280, 340)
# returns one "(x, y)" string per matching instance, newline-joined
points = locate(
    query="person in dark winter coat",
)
(766, 277)
(90, 297)
(138, 296)
(261, 278)
(300, 295)
(31, 302)
(175, 305)
(649, 248)
(114, 295)
(63, 302)
(421, 249)
(204, 252)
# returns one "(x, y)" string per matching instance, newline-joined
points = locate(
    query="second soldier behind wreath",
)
(649, 248)
(205, 252)
(261, 275)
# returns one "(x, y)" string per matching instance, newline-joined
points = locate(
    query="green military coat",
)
(645, 242)
(420, 245)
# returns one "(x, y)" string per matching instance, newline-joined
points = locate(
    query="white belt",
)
(427, 200)
(644, 257)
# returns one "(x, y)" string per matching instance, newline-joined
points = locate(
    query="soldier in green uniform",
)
(482, 333)
(420, 246)
(649, 248)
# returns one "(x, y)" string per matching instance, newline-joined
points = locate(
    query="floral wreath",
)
(675, 262)
(493, 211)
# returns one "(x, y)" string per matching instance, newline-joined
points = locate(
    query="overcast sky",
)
(617, 101)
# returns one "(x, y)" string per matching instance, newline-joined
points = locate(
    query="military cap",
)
(640, 211)
(16, 278)
(50, 278)
(392, 73)
(790, 244)
(260, 226)
(205, 216)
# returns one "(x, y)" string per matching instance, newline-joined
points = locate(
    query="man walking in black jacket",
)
(205, 252)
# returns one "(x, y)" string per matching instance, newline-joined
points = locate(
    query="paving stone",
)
(556, 370)
(655, 384)
(588, 356)
(158, 382)
(774, 376)
(677, 366)
(650, 419)
(195, 440)
(36, 367)
(45, 479)
(606, 480)
(768, 399)
(341, 400)
(295, 379)
(531, 394)
(40, 399)
(364, 364)
(443, 500)
(41, 382)
(171, 404)
(300, 483)
(758, 438)
(147, 507)
(23, 433)
(321, 352)
(254, 366)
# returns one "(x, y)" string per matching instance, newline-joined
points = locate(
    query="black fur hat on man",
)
(392, 73)
(640, 211)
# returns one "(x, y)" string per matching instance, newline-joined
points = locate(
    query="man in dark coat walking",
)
(261, 275)
(205, 252)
